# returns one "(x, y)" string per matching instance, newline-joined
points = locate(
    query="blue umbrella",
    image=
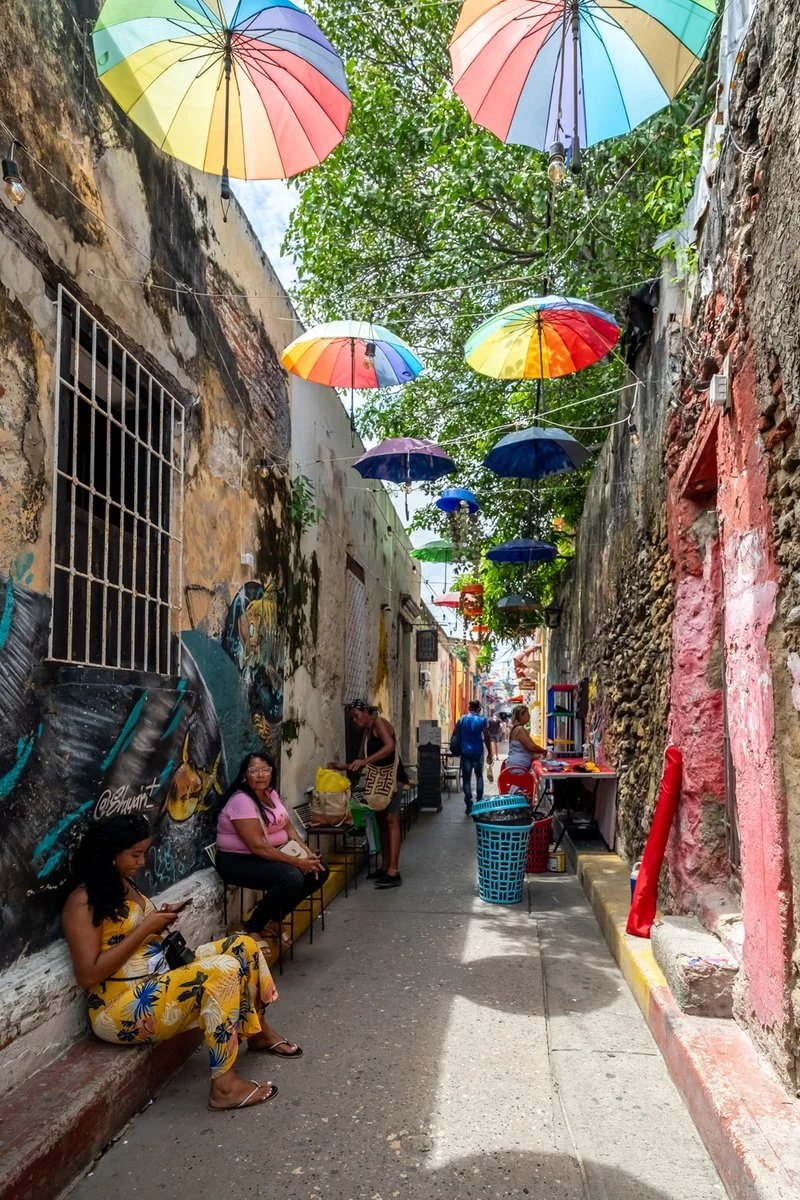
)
(402, 460)
(536, 452)
(452, 499)
(522, 550)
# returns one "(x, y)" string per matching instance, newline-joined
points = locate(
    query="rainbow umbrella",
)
(542, 71)
(240, 88)
(544, 337)
(351, 354)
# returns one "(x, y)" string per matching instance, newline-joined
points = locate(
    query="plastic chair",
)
(517, 777)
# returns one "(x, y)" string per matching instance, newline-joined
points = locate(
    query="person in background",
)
(494, 727)
(114, 935)
(379, 746)
(522, 749)
(474, 733)
(251, 829)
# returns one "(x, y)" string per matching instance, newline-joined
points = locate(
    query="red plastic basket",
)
(539, 846)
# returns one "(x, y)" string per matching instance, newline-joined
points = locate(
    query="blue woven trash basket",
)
(502, 852)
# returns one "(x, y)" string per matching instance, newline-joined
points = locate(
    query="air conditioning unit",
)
(424, 679)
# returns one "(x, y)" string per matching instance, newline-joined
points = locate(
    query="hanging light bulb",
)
(12, 182)
(557, 165)
(370, 351)
(634, 432)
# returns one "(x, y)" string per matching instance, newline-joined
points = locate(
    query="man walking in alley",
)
(474, 734)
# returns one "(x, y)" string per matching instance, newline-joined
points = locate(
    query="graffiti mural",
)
(252, 639)
(78, 743)
(82, 743)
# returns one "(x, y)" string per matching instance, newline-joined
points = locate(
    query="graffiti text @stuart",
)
(117, 801)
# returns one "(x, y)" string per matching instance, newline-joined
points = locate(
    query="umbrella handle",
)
(576, 143)
(352, 390)
(225, 189)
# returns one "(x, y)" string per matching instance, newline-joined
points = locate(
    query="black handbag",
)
(176, 952)
(455, 741)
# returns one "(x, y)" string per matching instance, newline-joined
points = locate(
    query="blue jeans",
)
(470, 763)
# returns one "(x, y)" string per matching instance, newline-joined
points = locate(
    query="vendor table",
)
(604, 795)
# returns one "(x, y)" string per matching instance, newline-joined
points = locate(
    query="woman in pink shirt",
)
(251, 829)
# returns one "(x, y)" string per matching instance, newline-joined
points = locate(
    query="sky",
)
(269, 205)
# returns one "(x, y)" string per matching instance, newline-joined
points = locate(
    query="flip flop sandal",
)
(273, 1049)
(248, 1101)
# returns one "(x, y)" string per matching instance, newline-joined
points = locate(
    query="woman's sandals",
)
(248, 1101)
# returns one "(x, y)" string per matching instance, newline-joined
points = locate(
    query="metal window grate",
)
(116, 562)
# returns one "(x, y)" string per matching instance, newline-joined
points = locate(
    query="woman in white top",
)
(522, 749)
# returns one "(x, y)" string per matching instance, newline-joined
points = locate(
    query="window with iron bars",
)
(118, 505)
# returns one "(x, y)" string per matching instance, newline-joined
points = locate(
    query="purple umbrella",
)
(403, 460)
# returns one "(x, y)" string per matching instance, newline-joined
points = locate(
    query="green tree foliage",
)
(426, 223)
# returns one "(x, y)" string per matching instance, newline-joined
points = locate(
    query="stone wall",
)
(617, 595)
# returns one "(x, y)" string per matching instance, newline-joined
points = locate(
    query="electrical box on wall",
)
(718, 395)
(424, 679)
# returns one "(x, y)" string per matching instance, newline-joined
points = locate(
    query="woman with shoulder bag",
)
(383, 771)
(115, 938)
(259, 847)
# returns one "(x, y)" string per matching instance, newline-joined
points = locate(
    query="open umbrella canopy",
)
(351, 354)
(541, 71)
(454, 500)
(448, 600)
(244, 88)
(438, 551)
(403, 460)
(519, 603)
(536, 452)
(522, 550)
(544, 337)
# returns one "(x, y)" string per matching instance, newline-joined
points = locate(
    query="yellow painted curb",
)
(606, 881)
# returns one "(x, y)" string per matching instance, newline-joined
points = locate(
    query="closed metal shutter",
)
(355, 674)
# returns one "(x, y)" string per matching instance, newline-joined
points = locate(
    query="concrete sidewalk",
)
(452, 1050)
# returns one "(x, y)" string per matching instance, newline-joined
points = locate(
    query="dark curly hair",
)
(93, 865)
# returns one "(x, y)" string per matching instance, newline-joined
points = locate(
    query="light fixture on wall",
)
(552, 616)
(12, 180)
(634, 432)
(263, 468)
(557, 164)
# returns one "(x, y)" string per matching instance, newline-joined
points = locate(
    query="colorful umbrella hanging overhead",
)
(448, 600)
(438, 551)
(352, 354)
(534, 453)
(240, 88)
(405, 461)
(544, 337)
(519, 603)
(454, 500)
(522, 550)
(541, 71)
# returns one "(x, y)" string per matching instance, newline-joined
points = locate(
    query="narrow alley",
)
(452, 1049)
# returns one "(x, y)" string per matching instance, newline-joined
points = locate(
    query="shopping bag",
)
(330, 800)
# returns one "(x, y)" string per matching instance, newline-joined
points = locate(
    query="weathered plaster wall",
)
(358, 520)
(77, 741)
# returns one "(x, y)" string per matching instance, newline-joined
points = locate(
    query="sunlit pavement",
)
(452, 1049)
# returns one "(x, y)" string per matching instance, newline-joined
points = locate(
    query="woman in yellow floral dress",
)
(114, 935)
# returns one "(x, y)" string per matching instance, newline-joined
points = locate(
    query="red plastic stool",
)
(539, 846)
